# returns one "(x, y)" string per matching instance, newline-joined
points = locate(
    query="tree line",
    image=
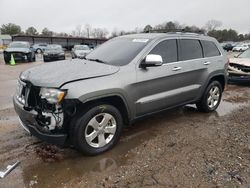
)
(211, 28)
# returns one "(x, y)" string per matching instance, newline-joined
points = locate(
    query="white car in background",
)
(80, 51)
(241, 48)
(39, 48)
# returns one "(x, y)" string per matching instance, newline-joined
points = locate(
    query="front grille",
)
(240, 67)
(16, 55)
(27, 94)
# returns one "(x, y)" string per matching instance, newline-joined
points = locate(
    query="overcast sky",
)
(65, 15)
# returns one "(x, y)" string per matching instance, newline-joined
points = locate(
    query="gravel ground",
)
(197, 153)
(177, 148)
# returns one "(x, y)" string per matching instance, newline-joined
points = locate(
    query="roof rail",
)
(176, 31)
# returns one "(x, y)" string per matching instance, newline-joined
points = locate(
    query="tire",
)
(39, 51)
(6, 60)
(101, 141)
(206, 105)
(30, 58)
(34, 58)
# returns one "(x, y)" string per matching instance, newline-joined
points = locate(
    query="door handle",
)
(176, 69)
(207, 63)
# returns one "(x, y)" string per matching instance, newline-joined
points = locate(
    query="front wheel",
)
(97, 130)
(6, 60)
(211, 98)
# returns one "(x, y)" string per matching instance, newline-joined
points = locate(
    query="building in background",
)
(66, 42)
(5, 40)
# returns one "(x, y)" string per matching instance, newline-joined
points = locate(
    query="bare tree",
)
(99, 33)
(212, 25)
(87, 30)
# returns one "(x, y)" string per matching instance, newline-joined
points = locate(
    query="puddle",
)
(227, 107)
(37, 173)
(34, 172)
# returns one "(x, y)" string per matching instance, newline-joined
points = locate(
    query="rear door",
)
(194, 66)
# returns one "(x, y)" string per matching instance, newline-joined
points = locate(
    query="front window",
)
(18, 45)
(54, 47)
(119, 51)
(245, 54)
(81, 47)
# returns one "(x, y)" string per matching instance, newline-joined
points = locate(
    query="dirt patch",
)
(236, 94)
(49, 153)
(195, 154)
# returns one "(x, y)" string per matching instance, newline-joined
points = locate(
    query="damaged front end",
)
(43, 111)
(238, 72)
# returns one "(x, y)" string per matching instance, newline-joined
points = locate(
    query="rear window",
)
(210, 49)
(190, 49)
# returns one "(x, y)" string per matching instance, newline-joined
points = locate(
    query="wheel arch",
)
(220, 78)
(116, 100)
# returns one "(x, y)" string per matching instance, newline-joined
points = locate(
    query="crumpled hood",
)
(57, 73)
(17, 50)
(240, 61)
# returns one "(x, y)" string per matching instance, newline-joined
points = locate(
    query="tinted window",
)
(167, 49)
(210, 49)
(190, 49)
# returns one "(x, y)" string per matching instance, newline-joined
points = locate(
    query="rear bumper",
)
(29, 123)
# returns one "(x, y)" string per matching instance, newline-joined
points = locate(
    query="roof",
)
(161, 35)
(5, 37)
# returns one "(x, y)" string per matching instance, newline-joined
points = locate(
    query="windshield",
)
(54, 47)
(119, 51)
(81, 47)
(245, 54)
(19, 45)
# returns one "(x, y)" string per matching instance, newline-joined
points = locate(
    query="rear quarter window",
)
(210, 49)
(190, 49)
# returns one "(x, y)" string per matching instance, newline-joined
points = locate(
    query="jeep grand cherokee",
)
(88, 101)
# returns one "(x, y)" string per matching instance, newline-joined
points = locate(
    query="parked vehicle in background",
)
(239, 67)
(53, 52)
(240, 48)
(80, 51)
(20, 51)
(39, 48)
(87, 102)
(228, 47)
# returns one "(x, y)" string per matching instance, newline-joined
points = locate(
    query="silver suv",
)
(87, 102)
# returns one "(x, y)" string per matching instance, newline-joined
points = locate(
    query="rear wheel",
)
(211, 98)
(97, 130)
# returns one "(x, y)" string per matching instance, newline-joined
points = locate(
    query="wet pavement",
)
(48, 166)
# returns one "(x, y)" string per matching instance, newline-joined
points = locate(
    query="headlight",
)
(45, 53)
(61, 53)
(53, 96)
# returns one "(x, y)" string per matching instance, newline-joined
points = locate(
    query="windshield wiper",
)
(96, 60)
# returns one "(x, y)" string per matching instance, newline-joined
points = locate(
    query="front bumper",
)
(16, 55)
(54, 57)
(29, 123)
(237, 75)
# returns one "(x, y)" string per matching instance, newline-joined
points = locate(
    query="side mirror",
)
(152, 60)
